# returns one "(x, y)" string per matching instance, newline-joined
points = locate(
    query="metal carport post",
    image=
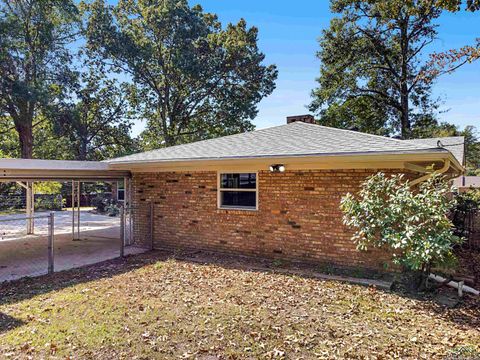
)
(29, 205)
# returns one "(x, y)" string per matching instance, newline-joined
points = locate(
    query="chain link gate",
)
(137, 227)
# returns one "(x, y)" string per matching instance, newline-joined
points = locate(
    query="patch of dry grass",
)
(153, 307)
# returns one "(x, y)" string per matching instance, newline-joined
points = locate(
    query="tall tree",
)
(372, 53)
(456, 5)
(46, 143)
(472, 149)
(97, 118)
(34, 60)
(192, 79)
(448, 61)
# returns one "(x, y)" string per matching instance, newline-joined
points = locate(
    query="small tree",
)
(412, 223)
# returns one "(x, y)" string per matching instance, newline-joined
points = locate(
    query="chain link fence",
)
(138, 226)
(23, 253)
(48, 244)
(474, 235)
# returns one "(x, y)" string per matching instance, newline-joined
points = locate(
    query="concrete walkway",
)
(26, 255)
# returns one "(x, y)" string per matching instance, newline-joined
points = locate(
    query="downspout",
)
(444, 169)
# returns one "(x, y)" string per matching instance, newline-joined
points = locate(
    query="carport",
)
(26, 172)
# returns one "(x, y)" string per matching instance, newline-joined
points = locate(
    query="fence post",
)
(122, 231)
(151, 224)
(51, 235)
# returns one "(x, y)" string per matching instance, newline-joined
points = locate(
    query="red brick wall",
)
(298, 217)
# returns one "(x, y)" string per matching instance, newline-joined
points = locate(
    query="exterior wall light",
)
(277, 168)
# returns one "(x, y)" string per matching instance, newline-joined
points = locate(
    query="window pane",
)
(121, 195)
(239, 181)
(239, 199)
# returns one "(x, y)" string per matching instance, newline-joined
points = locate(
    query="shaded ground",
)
(469, 265)
(153, 306)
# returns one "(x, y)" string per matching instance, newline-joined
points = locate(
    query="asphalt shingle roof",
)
(454, 144)
(294, 139)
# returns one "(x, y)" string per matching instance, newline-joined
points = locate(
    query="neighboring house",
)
(465, 183)
(273, 192)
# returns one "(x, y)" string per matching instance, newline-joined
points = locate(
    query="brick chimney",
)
(309, 119)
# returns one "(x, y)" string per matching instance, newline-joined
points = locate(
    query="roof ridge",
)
(436, 137)
(361, 133)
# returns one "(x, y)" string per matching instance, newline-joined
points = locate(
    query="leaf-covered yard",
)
(151, 306)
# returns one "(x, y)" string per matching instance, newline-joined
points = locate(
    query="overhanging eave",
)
(58, 170)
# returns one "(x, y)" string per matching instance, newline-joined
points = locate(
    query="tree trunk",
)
(423, 274)
(25, 135)
(404, 93)
(23, 121)
(82, 150)
(405, 116)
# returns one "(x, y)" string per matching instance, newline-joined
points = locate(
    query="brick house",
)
(273, 192)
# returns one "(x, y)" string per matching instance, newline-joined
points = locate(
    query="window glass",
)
(239, 181)
(121, 195)
(238, 190)
(120, 191)
(246, 199)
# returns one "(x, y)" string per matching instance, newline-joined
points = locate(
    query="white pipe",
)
(454, 284)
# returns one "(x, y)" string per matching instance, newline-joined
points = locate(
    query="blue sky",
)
(288, 33)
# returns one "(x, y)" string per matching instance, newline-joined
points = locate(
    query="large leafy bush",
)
(412, 223)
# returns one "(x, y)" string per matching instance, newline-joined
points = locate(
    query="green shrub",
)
(413, 224)
(112, 209)
(48, 187)
(100, 203)
(106, 205)
(49, 202)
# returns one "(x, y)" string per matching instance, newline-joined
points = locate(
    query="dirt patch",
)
(469, 265)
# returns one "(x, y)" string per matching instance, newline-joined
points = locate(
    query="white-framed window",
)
(120, 191)
(238, 190)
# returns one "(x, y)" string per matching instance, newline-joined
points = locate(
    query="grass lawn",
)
(150, 306)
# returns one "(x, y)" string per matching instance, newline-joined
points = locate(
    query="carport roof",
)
(35, 169)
